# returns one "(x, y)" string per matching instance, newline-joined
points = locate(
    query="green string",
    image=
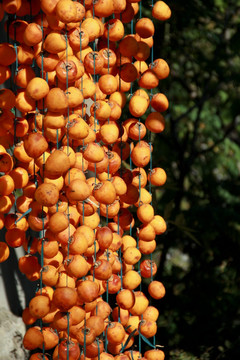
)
(150, 169)
(29, 244)
(108, 44)
(130, 162)
(15, 111)
(121, 270)
(138, 264)
(98, 349)
(84, 339)
(95, 254)
(106, 340)
(41, 282)
(42, 260)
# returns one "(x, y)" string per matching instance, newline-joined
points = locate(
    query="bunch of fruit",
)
(76, 171)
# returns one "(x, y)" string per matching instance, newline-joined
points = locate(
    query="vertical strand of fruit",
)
(138, 263)
(43, 231)
(15, 112)
(150, 170)
(95, 124)
(108, 175)
(68, 214)
(83, 114)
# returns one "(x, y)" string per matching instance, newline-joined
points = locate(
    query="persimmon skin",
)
(125, 299)
(4, 252)
(160, 68)
(151, 313)
(37, 88)
(159, 102)
(66, 11)
(105, 192)
(154, 354)
(87, 290)
(39, 306)
(33, 338)
(131, 280)
(64, 298)
(68, 348)
(104, 236)
(145, 28)
(161, 11)
(159, 224)
(102, 270)
(47, 194)
(157, 176)
(155, 122)
(115, 333)
(156, 290)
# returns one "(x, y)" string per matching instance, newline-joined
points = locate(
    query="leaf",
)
(128, 339)
(146, 340)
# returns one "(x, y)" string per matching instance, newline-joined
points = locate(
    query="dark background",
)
(200, 151)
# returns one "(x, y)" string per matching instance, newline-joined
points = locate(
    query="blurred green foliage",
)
(200, 151)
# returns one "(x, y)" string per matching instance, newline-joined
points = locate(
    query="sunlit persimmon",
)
(156, 289)
(32, 34)
(39, 306)
(154, 354)
(131, 280)
(148, 268)
(76, 265)
(132, 324)
(147, 247)
(157, 176)
(33, 338)
(68, 349)
(138, 105)
(102, 270)
(65, 280)
(94, 349)
(145, 27)
(159, 224)
(160, 68)
(49, 248)
(62, 320)
(115, 333)
(15, 237)
(49, 275)
(4, 251)
(85, 335)
(55, 261)
(119, 98)
(56, 100)
(102, 309)
(159, 102)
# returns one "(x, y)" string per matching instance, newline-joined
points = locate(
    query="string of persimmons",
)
(77, 117)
